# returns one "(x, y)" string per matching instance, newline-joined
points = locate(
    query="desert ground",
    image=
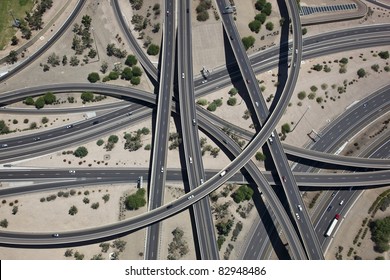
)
(206, 52)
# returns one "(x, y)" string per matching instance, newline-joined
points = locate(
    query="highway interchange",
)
(310, 247)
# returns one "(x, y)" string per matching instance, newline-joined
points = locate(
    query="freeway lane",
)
(204, 225)
(55, 134)
(376, 98)
(110, 231)
(161, 128)
(342, 200)
(76, 135)
(312, 180)
(303, 223)
(261, 113)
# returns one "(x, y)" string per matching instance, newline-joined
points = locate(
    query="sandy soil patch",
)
(244, 213)
(105, 30)
(207, 46)
(181, 221)
(52, 216)
(209, 49)
(246, 13)
(153, 18)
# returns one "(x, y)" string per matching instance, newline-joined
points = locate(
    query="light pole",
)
(304, 113)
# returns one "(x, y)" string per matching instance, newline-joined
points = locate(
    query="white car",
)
(299, 207)
(270, 140)
(182, 75)
(191, 197)
(190, 159)
(201, 181)
(162, 169)
(341, 202)
(296, 214)
(72, 171)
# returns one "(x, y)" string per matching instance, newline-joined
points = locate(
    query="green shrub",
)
(29, 101)
(212, 107)
(232, 101)
(127, 74)
(269, 26)
(248, 42)
(136, 201)
(361, 73)
(202, 102)
(135, 80)
(384, 54)
(242, 193)
(153, 49)
(301, 95)
(93, 77)
(255, 26)
(131, 60)
(260, 156)
(81, 152)
(40, 102)
(286, 128)
(113, 75)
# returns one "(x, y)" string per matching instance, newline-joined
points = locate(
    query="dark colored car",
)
(95, 122)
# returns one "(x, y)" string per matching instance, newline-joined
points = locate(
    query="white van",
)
(222, 173)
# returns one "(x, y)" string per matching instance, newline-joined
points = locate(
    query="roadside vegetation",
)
(136, 201)
(229, 217)
(28, 19)
(134, 139)
(202, 10)
(265, 9)
(147, 23)
(178, 248)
